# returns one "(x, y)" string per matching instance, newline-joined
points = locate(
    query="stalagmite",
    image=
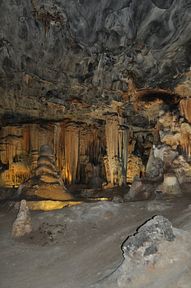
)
(22, 225)
(46, 182)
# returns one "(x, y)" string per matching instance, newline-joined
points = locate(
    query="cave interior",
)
(95, 118)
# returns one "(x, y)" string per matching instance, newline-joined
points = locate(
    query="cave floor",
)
(77, 246)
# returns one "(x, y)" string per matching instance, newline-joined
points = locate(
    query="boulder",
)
(155, 256)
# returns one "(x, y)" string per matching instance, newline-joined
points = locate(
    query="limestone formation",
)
(22, 225)
(46, 183)
(135, 168)
(116, 143)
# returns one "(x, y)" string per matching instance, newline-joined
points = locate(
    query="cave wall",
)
(85, 154)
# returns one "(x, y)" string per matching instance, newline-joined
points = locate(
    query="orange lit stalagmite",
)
(46, 183)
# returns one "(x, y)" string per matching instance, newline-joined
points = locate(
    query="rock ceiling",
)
(59, 57)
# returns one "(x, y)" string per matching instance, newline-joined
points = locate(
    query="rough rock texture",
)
(155, 256)
(58, 54)
(22, 225)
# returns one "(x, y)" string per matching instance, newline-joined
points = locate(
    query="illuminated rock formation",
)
(15, 175)
(135, 168)
(71, 153)
(185, 109)
(46, 182)
(76, 148)
(116, 144)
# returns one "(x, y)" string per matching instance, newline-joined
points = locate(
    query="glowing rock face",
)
(46, 182)
(16, 174)
(135, 168)
(48, 205)
(185, 108)
(117, 143)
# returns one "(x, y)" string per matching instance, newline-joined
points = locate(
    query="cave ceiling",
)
(83, 59)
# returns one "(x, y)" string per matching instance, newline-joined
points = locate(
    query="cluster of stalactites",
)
(76, 147)
(116, 144)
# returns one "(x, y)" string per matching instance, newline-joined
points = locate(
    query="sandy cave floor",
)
(77, 246)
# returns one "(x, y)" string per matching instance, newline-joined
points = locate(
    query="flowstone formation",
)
(46, 183)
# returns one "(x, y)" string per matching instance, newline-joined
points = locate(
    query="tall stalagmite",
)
(46, 183)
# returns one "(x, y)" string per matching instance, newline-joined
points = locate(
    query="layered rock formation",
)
(46, 182)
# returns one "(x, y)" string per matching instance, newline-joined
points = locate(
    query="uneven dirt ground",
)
(77, 246)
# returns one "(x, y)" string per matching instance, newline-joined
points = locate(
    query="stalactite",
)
(59, 136)
(11, 143)
(17, 174)
(76, 149)
(71, 152)
(185, 139)
(185, 108)
(116, 143)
